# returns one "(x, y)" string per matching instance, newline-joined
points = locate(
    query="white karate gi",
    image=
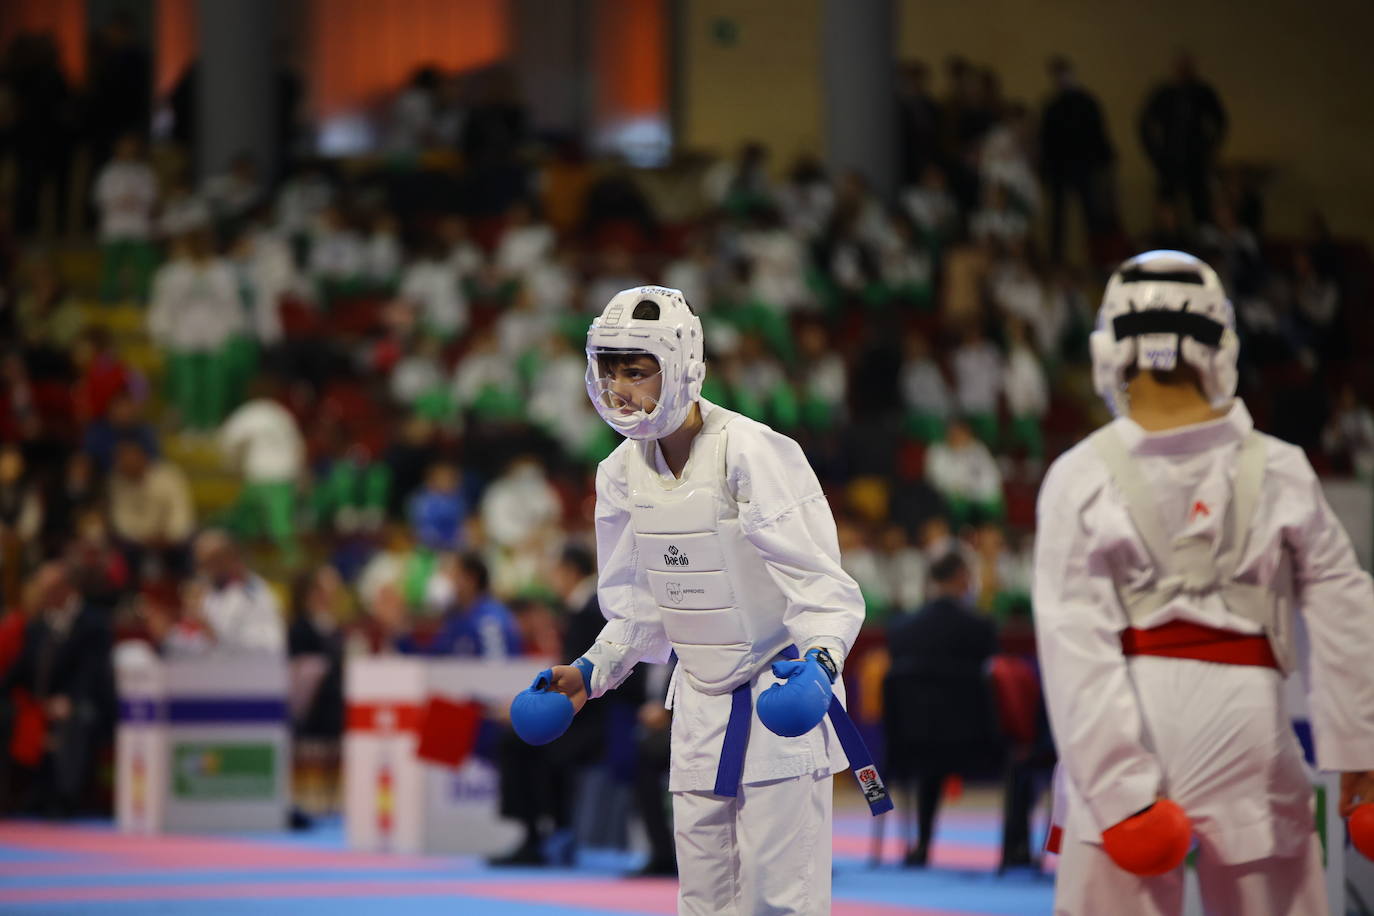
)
(768, 850)
(1213, 737)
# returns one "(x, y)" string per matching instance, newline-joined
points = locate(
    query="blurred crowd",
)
(384, 357)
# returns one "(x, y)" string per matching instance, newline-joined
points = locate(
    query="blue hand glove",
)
(539, 714)
(801, 701)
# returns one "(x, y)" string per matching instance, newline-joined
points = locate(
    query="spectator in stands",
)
(474, 623)
(101, 375)
(196, 315)
(235, 193)
(806, 201)
(485, 380)
(963, 471)
(1076, 156)
(21, 518)
(938, 714)
(382, 252)
(905, 265)
(1316, 300)
(615, 270)
(433, 285)
(64, 667)
(1168, 232)
(151, 510)
(822, 378)
(302, 199)
(1027, 393)
(1182, 128)
(50, 319)
(263, 443)
(904, 567)
(997, 221)
(267, 275)
(126, 195)
(337, 254)
(439, 512)
(925, 394)
(932, 206)
(120, 85)
(918, 122)
(1004, 158)
(519, 505)
(183, 210)
(525, 243)
(68, 495)
(1234, 250)
(1349, 436)
(123, 420)
(43, 127)
(740, 184)
(978, 382)
(229, 608)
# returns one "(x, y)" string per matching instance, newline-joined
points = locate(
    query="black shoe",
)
(658, 868)
(917, 858)
(526, 854)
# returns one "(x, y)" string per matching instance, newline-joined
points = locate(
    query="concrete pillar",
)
(858, 78)
(235, 83)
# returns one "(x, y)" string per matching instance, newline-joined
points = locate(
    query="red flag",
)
(448, 731)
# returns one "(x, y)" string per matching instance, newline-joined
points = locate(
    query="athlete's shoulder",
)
(747, 437)
(1075, 476)
(1286, 462)
(612, 478)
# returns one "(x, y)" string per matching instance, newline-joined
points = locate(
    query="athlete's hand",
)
(1356, 788)
(567, 680)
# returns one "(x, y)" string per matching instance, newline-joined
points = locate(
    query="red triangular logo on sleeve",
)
(1199, 508)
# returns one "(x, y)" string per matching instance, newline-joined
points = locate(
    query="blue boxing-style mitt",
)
(799, 703)
(539, 714)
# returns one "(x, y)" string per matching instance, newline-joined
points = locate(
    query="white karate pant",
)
(1089, 884)
(765, 853)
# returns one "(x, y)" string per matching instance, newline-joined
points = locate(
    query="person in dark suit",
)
(938, 712)
(65, 668)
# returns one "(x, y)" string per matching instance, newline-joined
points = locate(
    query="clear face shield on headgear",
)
(644, 362)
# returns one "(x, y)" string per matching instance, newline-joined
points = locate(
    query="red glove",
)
(1361, 827)
(1153, 842)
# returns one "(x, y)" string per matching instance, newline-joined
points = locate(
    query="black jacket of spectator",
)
(936, 696)
(1073, 136)
(324, 718)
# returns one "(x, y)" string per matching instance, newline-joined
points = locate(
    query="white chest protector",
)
(1195, 566)
(720, 609)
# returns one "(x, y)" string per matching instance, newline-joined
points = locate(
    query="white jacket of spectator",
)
(480, 370)
(156, 507)
(517, 505)
(806, 208)
(933, 210)
(270, 274)
(1028, 393)
(778, 278)
(827, 380)
(558, 402)
(522, 248)
(924, 389)
(126, 193)
(978, 377)
(336, 255)
(1004, 162)
(183, 213)
(435, 288)
(232, 195)
(1005, 226)
(262, 440)
(245, 616)
(551, 287)
(415, 376)
(969, 473)
(691, 277)
(467, 259)
(382, 257)
(197, 306)
(300, 202)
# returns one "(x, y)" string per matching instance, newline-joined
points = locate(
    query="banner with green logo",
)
(224, 772)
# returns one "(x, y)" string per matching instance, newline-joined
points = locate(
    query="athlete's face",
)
(634, 384)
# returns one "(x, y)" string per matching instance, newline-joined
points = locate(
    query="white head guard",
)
(651, 320)
(1161, 307)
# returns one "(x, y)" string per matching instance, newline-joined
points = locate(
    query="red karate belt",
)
(1181, 639)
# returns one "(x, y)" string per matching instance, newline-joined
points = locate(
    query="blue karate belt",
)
(731, 768)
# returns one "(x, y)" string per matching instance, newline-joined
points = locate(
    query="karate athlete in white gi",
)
(1174, 547)
(715, 542)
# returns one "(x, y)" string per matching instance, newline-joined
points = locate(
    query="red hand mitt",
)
(1153, 842)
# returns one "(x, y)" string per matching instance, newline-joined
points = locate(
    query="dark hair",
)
(608, 362)
(579, 559)
(945, 569)
(472, 564)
